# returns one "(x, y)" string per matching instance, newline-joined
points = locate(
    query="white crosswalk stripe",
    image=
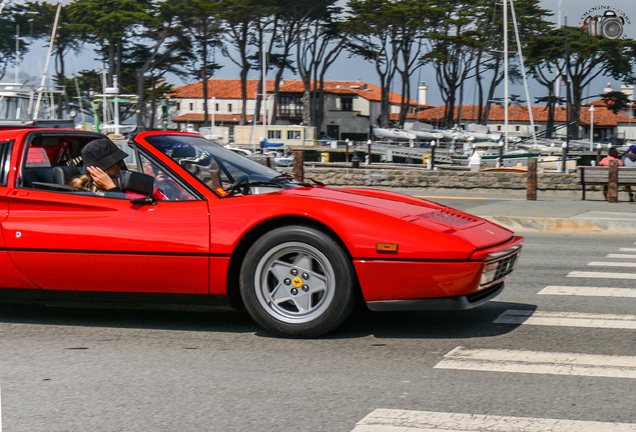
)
(612, 264)
(392, 420)
(538, 362)
(601, 275)
(567, 319)
(626, 256)
(584, 291)
(627, 249)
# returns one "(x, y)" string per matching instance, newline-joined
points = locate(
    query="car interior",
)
(52, 161)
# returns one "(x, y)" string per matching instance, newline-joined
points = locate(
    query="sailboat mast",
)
(36, 112)
(523, 71)
(506, 96)
(264, 93)
(17, 53)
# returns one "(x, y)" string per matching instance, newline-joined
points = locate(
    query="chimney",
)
(628, 89)
(421, 94)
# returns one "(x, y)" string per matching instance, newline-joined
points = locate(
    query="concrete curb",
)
(565, 225)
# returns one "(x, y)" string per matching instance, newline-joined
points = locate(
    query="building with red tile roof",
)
(352, 106)
(606, 124)
(349, 105)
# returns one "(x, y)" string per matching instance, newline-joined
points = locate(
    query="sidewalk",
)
(562, 212)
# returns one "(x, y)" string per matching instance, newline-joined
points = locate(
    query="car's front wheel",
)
(297, 281)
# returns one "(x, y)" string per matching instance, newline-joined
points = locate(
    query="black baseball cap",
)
(102, 153)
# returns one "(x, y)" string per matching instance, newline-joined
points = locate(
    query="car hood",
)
(426, 214)
(394, 204)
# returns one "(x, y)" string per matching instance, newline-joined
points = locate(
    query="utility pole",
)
(567, 84)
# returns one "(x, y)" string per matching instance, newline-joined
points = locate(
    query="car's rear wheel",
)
(296, 281)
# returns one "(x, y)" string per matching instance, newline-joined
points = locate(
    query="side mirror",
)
(138, 183)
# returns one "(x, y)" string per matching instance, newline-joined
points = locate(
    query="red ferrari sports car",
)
(195, 223)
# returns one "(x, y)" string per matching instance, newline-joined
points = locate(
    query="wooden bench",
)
(600, 175)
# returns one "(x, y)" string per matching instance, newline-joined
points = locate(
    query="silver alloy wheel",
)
(295, 282)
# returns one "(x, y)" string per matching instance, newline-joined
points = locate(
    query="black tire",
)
(297, 281)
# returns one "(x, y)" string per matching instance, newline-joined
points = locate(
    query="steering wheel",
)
(236, 186)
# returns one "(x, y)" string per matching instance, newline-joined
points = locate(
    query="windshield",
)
(223, 171)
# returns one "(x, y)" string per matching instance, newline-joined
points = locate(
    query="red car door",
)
(10, 277)
(67, 241)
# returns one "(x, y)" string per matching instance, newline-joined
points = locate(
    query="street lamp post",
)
(591, 127)
(631, 114)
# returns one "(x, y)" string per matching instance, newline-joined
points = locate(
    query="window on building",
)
(293, 135)
(346, 103)
(191, 107)
(517, 128)
(274, 134)
(289, 106)
(178, 106)
(229, 107)
(216, 107)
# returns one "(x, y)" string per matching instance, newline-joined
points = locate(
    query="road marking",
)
(602, 275)
(537, 362)
(621, 256)
(588, 291)
(394, 420)
(611, 264)
(567, 319)
(627, 249)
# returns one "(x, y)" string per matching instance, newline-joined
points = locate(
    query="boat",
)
(423, 135)
(489, 156)
(18, 106)
(239, 150)
(554, 163)
(393, 134)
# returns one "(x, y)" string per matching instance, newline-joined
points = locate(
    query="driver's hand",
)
(100, 179)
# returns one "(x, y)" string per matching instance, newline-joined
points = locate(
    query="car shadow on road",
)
(473, 323)
(180, 320)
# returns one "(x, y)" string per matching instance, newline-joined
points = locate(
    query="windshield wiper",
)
(282, 178)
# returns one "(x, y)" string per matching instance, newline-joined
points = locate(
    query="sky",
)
(353, 69)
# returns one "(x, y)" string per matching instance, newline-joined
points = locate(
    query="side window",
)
(5, 161)
(38, 162)
(167, 188)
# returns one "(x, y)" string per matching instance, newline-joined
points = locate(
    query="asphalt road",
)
(104, 370)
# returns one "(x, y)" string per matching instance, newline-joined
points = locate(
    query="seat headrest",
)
(183, 152)
(64, 174)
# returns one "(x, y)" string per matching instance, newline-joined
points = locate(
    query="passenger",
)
(165, 187)
(103, 161)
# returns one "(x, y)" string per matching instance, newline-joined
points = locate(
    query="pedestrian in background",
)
(612, 154)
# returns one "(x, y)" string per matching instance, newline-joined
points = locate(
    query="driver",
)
(102, 161)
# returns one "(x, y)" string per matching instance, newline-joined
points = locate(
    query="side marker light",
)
(386, 247)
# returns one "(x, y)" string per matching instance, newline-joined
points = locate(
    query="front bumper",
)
(460, 284)
(442, 303)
